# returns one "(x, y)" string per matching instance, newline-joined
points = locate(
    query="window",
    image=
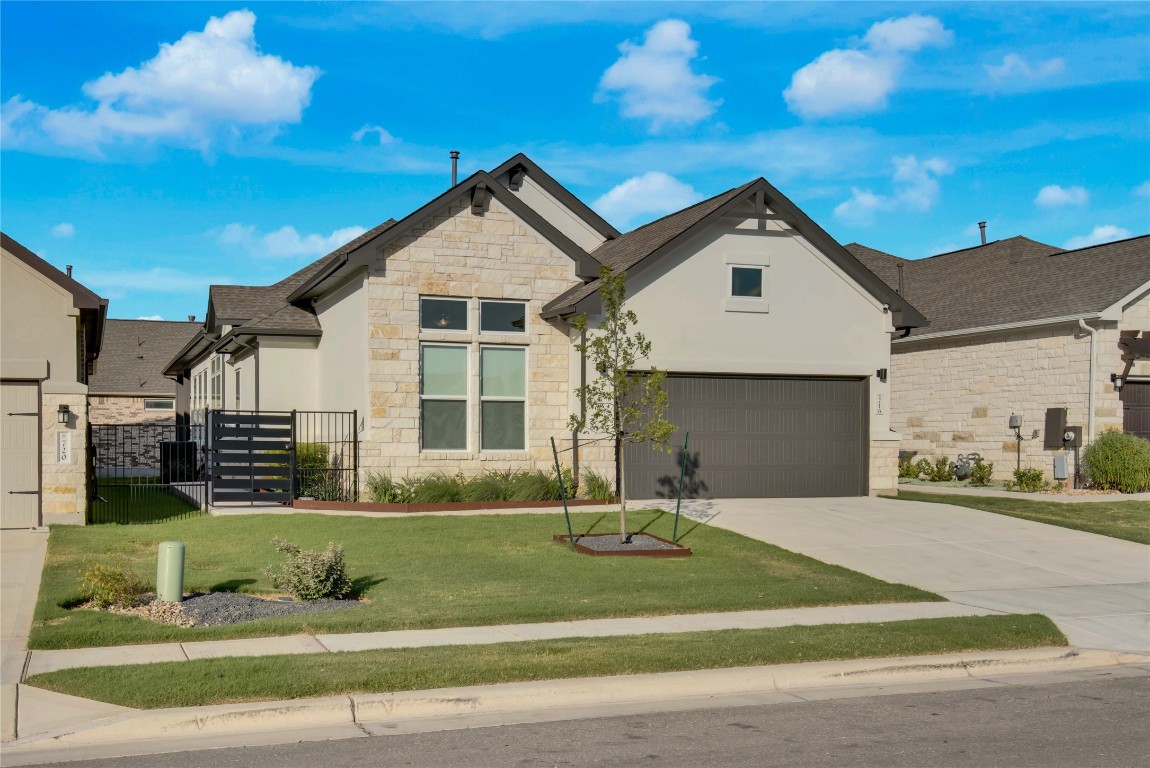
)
(747, 282)
(217, 382)
(443, 397)
(443, 314)
(502, 317)
(502, 398)
(159, 405)
(237, 390)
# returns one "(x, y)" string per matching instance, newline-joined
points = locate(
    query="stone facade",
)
(64, 486)
(883, 467)
(462, 255)
(955, 395)
(116, 409)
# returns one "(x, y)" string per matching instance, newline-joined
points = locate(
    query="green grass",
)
(1129, 520)
(130, 501)
(270, 678)
(423, 572)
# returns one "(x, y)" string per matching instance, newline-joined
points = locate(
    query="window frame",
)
(526, 317)
(171, 404)
(466, 302)
(504, 399)
(762, 270)
(465, 398)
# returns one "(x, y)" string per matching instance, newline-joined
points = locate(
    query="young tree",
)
(619, 401)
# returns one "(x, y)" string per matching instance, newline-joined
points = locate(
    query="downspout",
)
(1093, 366)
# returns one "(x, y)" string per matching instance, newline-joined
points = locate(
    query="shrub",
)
(310, 575)
(908, 467)
(1029, 480)
(104, 585)
(537, 486)
(490, 486)
(1118, 461)
(940, 471)
(980, 473)
(596, 486)
(381, 489)
(436, 488)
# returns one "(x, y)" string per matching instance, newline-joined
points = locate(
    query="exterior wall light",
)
(1117, 381)
(63, 414)
(881, 374)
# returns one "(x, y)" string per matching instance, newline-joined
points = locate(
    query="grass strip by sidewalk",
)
(1129, 520)
(272, 678)
(425, 572)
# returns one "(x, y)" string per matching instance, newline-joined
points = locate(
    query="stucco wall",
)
(559, 215)
(956, 395)
(458, 254)
(342, 355)
(287, 373)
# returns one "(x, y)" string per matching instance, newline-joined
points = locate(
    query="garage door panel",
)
(758, 437)
(19, 454)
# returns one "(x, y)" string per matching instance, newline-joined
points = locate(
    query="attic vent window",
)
(747, 282)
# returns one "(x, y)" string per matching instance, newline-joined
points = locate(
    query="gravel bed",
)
(212, 609)
(611, 543)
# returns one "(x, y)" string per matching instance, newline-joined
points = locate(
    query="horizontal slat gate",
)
(252, 456)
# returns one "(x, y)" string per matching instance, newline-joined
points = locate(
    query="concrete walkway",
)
(1057, 498)
(49, 661)
(21, 561)
(1097, 589)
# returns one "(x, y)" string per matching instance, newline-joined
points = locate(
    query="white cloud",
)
(651, 195)
(1103, 233)
(916, 188)
(286, 242)
(859, 80)
(151, 317)
(63, 229)
(384, 136)
(1055, 196)
(653, 80)
(1015, 67)
(191, 90)
(1143, 189)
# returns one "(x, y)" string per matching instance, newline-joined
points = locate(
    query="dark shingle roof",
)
(1014, 280)
(134, 355)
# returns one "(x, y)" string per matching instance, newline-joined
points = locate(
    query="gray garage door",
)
(758, 438)
(19, 454)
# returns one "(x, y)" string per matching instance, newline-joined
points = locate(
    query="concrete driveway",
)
(1097, 589)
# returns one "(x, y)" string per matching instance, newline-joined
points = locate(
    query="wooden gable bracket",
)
(480, 197)
(515, 178)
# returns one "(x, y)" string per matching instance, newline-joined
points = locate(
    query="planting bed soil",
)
(636, 545)
(212, 609)
(446, 506)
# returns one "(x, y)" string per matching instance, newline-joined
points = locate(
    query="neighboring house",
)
(1019, 327)
(51, 332)
(129, 386)
(450, 333)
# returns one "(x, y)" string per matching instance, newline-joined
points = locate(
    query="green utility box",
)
(170, 572)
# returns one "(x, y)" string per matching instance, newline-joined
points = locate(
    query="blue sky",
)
(163, 147)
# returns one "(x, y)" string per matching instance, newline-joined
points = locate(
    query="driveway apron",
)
(1097, 589)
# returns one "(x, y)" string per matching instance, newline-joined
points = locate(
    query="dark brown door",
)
(1136, 408)
(758, 438)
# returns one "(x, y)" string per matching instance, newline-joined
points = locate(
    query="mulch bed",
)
(210, 609)
(636, 545)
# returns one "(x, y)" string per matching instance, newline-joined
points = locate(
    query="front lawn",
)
(272, 678)
(425, 572)
(1129, 520)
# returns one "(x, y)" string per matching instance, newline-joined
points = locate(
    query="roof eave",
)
(999, 328)
(560, 193)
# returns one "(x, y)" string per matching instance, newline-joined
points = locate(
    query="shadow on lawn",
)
(231, 585)
(361, 585)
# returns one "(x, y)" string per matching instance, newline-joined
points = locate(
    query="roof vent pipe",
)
(454, 166)
(68, 269)
(982, 231)
(191, 318)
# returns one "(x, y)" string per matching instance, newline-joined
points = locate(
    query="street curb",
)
(145, 726)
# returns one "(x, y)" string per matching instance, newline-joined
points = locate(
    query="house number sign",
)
(63, 447)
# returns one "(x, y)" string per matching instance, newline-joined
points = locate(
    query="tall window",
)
(237, 389)
(443, 397)
(217, 382)
(502, 398)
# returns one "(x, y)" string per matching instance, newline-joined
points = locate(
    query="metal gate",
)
(278, 456)
(146, 473)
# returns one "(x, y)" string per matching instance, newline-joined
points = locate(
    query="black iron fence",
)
(146, 473)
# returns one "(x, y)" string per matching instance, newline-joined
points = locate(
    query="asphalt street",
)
(1077, 725)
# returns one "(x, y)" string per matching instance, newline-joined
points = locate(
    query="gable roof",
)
(357, 256)
(92, 308)
(134, 355)
(641, 247)
(1016, 280)
(559, 192)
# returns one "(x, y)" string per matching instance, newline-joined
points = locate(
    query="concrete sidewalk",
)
(50, 661)
(21, 561)
(1058, 498)
(1096, 588)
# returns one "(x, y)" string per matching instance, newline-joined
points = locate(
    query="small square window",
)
(502, 317)
(443, 314)
(747, 282)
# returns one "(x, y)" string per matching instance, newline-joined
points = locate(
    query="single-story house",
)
(51, 329)
(129, 386)
(450, 334)
(1019, 327)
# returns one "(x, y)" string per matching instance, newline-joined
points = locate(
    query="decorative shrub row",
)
(507, 485)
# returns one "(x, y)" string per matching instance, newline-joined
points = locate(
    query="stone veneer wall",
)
(114, 409)
(954, 396)
(64, 489)
(883, 466)
(458, 254)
